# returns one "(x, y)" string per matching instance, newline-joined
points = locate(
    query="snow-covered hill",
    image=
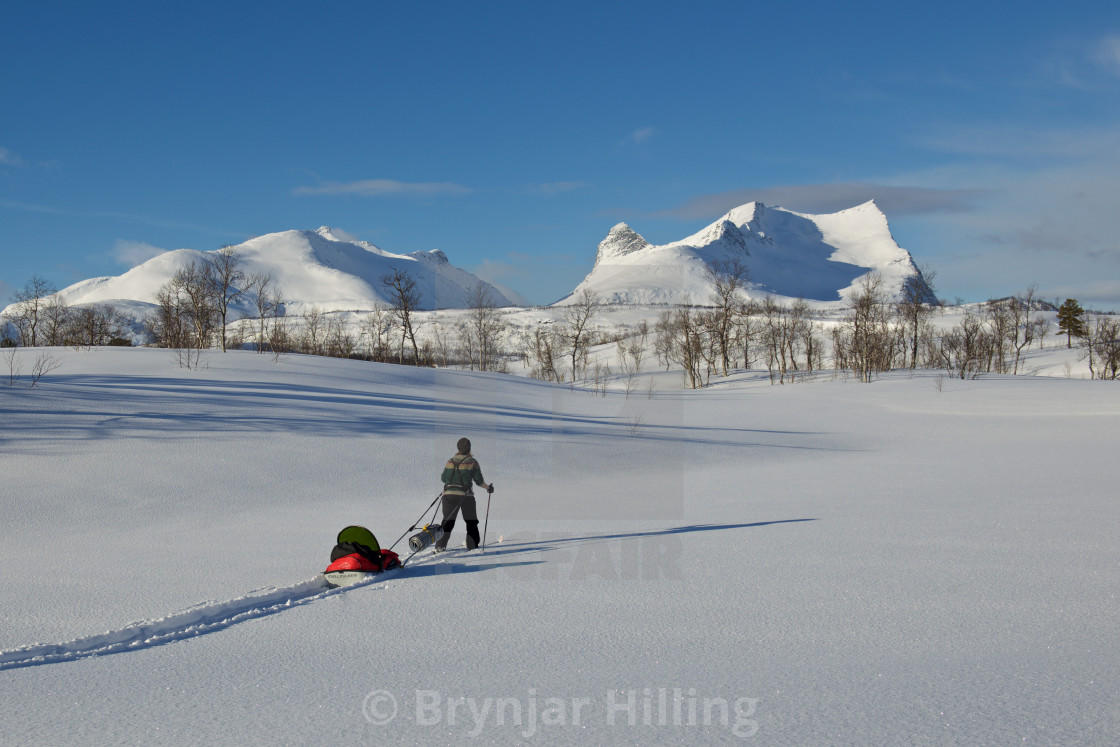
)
(821, 258)
(817, 257)
(310, 268)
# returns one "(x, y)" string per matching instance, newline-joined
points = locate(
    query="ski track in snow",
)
(200, 619)
(203, 618)
(207, 617)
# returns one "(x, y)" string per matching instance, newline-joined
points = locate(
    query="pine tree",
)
(1071, 320)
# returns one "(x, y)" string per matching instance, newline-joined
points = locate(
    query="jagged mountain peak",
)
(744, 215)
(725, 231)
(332, 234)
(621, 240)
(786, 253)
(434, 256)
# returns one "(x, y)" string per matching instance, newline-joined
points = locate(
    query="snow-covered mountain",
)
(817, 257)
(310, 268)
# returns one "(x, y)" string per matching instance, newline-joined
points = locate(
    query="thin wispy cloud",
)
(112, 215)
(639, 136)
(555, 188)
(131, 253)
(1002, 141)
(1047, 215)
(1084, 64)
(530, 273)
(1107, 54)
(1065, 210)
(344, 235)
(384, 188)
(1101, 293)
(8, 158)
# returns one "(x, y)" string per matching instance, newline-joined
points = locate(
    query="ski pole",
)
(486, 525)
(418, 520)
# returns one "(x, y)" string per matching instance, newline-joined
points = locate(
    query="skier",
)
(459, 477)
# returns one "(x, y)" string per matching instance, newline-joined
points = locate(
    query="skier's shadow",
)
(654, 546)
(560, 542)
(448, 568)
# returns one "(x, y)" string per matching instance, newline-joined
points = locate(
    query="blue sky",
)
(514, 135)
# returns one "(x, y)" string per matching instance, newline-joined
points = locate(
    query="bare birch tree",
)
(577, 328)
(727, 279)
(484, 329)
(30, 302)
(405, 297)
(268, 303)
(226, 282)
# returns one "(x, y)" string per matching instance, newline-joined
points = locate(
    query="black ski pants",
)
(452, 504)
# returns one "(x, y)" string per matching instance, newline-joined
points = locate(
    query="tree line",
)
(193, 308)
(193, 313)
(41, 318)
(875, 334)
(394, 333)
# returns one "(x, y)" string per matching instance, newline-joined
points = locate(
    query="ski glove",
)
(490, 489)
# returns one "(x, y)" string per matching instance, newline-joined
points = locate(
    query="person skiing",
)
(459, 476)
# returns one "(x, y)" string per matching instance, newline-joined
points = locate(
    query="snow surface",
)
(918, 560)
(787, 254)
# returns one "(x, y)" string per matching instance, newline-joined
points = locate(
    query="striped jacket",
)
(461, 474)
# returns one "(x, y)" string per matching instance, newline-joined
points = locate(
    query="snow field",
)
(827, 562)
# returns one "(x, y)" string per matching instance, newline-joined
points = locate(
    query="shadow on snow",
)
(124, 407)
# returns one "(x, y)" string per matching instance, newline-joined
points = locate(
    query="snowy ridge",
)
(817, 257)
(310, 269)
